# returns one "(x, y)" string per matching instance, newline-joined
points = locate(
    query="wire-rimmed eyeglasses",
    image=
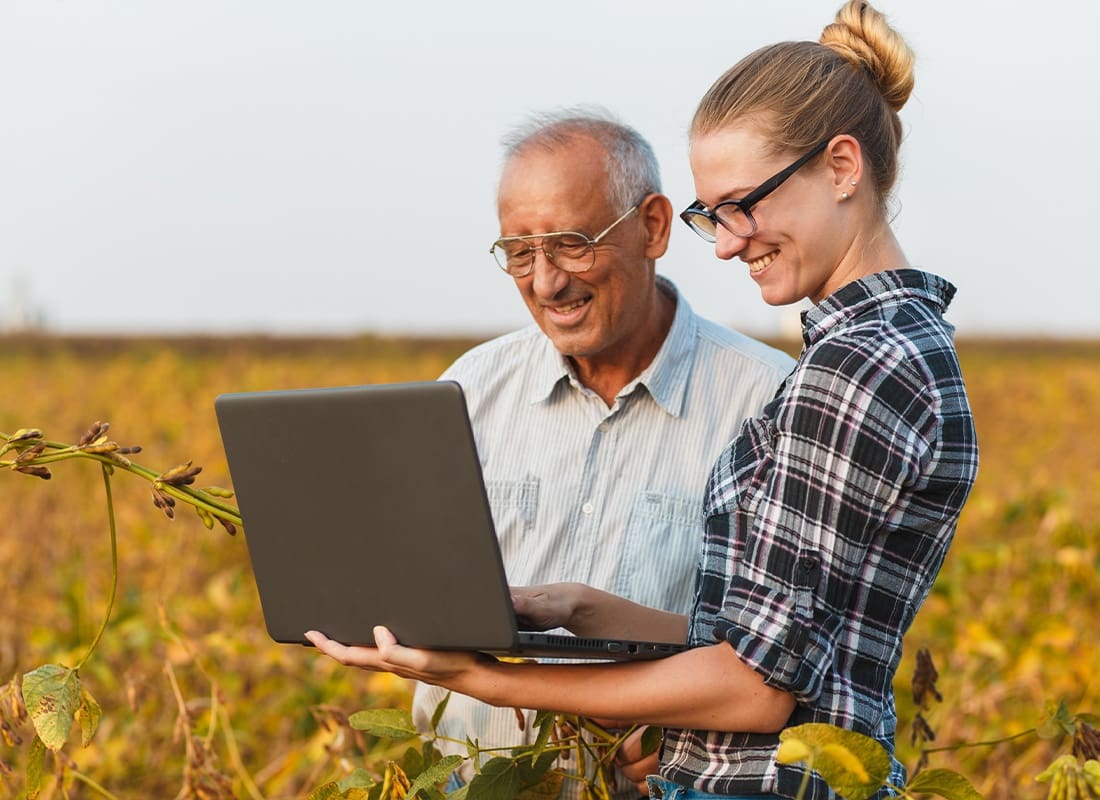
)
(736, 215)
(567, 250)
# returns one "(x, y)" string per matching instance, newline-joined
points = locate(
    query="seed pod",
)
(24, 434)
(30, 453)
(1057, 786)
(218, 491)
(1086, 741)
(206, 517)
(924, 680)
(100, 445)
(1083, 790)
(181, 475)
(11, 738)
(35, 470)
(164, 502)
(521, 720)
(1091, 772)
(230, 528)
(93, 433)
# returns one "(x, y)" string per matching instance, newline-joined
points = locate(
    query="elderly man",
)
(597, 425)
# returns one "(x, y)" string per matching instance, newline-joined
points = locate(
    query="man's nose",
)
(548, 278)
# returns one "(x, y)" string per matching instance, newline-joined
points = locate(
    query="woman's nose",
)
(727, 245)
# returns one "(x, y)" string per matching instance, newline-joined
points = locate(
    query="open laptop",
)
(364, 506)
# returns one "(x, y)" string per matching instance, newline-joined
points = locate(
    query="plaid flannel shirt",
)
(827, 520)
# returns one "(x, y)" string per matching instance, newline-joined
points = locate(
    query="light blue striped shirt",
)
(610, 497)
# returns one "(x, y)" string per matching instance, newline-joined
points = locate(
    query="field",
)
(1011, 624)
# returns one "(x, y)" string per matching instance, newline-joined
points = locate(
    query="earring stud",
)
(853, 183)
(843, 195)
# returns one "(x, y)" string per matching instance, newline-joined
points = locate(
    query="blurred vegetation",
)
(194, 693)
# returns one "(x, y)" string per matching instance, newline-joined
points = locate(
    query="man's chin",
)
(572, 344)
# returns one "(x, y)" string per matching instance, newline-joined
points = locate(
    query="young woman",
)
(829, 516)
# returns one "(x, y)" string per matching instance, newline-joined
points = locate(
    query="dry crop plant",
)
(54, 701)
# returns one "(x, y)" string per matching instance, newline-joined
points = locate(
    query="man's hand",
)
(635, 766)
(429, 666)
(541, 608)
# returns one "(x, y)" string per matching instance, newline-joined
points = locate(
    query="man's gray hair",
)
(632, 169)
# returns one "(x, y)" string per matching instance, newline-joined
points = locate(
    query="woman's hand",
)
(437, 667)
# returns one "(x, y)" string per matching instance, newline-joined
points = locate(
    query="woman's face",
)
(804, 229)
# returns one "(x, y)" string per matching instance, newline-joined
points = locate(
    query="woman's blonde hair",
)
(853, 81)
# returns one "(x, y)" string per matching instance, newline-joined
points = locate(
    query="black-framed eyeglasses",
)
(567, 250)
(736, 215)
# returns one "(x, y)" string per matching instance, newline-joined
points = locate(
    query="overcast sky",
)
(292, 167)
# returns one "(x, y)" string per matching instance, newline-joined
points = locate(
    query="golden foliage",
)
(1010, 621)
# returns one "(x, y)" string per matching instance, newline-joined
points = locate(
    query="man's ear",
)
(656, 214)
(844, 157)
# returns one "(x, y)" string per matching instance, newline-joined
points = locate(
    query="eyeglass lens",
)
(568, 251)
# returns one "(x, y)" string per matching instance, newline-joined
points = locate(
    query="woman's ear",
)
(844, 159)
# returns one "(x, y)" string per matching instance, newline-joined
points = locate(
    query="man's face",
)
(602, 313)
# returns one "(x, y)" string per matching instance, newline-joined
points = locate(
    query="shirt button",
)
(588, 508)
(603, 427)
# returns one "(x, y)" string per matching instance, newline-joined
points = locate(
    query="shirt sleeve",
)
(853, 431)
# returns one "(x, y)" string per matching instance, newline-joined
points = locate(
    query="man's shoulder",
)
(722, 344)
(494, 355)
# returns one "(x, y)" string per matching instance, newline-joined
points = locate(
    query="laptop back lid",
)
(364, 505)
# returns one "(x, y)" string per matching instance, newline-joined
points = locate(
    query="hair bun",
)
(861, 36)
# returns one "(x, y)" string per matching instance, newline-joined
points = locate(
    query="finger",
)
(363, 657)
(383, 637)
(637, 771)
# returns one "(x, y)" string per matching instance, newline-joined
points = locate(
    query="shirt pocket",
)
(661, 547)
(515, 506)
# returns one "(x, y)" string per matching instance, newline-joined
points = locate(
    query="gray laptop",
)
(364, 506)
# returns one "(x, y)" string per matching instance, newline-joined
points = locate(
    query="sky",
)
(329, 167)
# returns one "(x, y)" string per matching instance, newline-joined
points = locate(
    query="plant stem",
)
(235, 756)
(114, 568)
(988, 743)
(95, 786)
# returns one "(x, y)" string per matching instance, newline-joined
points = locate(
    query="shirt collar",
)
(874, 291)
(666, 378)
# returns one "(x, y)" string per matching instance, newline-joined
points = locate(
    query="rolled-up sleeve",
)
(853, 432)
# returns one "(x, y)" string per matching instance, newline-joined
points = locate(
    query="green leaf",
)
(545, 722)
(651, 739)
(459, 793)
(498, 780)
(52, 696)
(350, 787)
(327, 791)
(437, 715)
(1061, 722)
(358, 779)
(385, 723)
(548, 787)
(854, 765)
(412, 763)
(89, 715)
(944, 782)
(435, 774)
(36, 763)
